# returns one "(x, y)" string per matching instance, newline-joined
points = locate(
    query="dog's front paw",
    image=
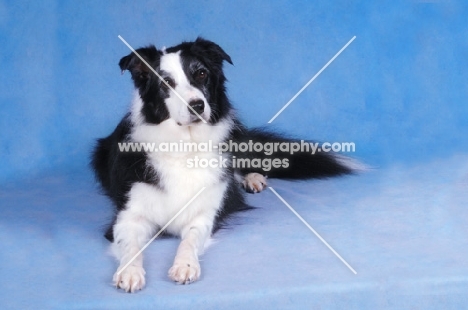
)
(254, 182)
(131, 279)
(185, 272)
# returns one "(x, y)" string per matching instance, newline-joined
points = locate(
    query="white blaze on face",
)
(171, 64)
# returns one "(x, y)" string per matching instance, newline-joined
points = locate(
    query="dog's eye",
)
(170, 82)
(201, 74)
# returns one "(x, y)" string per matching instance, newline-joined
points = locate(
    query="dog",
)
(180, 97)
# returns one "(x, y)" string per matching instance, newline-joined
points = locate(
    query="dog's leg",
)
(186, 268)
(131, 232)
(254, 182)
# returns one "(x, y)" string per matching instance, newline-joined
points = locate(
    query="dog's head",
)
(184, 82)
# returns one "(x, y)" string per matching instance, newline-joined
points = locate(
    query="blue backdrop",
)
(399, 91)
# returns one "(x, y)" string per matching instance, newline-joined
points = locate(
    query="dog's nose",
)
(197, 105)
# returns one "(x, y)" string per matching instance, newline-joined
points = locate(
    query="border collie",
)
(185, 102)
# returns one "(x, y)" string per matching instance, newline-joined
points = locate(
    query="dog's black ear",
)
(124, 63)
(212, 50)
(139, 70)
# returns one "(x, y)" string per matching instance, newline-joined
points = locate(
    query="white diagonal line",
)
(160, 231)
(311, 80)
(160, 77)
(313, 230)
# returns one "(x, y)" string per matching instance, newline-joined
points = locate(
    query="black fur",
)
(117, 171)
(302, 165)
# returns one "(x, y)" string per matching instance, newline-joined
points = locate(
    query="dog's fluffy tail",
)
(279, 160)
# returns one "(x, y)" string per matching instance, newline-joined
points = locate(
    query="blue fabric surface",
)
(403, 229)
(398, 92)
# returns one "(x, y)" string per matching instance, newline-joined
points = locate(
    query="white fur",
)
(170, 131)
(150, 207)
(171, 64)
(352, 163)
(254, 182)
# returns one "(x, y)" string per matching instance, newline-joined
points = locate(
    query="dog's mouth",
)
(193, 121)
